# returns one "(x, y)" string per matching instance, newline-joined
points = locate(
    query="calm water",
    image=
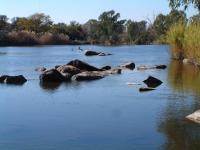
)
(101, 115)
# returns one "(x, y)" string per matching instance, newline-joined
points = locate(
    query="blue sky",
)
(83, 10)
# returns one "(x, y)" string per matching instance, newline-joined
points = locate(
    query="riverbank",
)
(184, 41)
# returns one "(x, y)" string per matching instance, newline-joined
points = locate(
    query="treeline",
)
(108, 29)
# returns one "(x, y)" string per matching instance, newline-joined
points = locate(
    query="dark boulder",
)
(106, 68)
(15, 79)
(83, 66)
(129, 65)
(87, 76)
(91, 53)
(152, 82)
(52, 75)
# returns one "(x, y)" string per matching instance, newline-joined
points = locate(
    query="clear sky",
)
(83, 10)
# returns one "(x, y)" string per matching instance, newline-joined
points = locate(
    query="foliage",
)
(185, 3)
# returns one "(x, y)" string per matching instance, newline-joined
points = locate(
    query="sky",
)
(83, 10)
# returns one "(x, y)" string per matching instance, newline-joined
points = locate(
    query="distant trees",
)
(107, 29)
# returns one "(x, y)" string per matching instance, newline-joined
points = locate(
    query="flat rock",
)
(91, 53)
(87, 76)
(194, 116)
(146, 89)
(63, 69)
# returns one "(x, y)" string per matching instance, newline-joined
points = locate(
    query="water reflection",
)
(184, 77)
(50, 86)
(180, 133)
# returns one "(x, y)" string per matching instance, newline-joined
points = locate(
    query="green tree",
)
(135, 30)
(110, 26)
(185, 3)
(3, 22)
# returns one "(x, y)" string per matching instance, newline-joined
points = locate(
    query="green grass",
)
(185, 41)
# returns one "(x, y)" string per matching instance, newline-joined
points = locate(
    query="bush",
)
(50, 38)
(22, 38)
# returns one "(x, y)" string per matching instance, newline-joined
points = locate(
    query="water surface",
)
(103, 115)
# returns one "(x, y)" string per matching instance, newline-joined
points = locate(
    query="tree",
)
(178, 3)
(75, 31)
(110, 26)
(3, 22)
(40, 22)
(135, 30)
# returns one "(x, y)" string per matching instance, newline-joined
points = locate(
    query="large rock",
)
(13, 79)
(83, 66)
(129, 65)
(91, 53)
(87, 76)
(194, 116)
(52, 75)
(152, 82)
(68, 69)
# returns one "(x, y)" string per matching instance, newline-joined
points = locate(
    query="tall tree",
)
(185, 3)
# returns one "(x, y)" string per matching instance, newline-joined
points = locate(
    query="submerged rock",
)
(146, 89)
(129, 65)
(194, 116)
(52, 75)
(145, 67)
(83, 66)
(87, 76)
(94, 53)
(20, 79)
(152, 82)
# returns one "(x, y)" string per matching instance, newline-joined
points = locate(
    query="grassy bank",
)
(185, 41)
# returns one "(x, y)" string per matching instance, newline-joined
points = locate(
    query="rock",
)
(152, 82)
(41, 69)
(68, 69)
(2, 78)
(87, 76)
(160, 66)
(15, 79)
(145, 89)
(52, 75)
(194, 116)
(114, 71)
(186, 61)
(83, 66)
(145, 67)
(106, 68)
(129, 65)
(91, 53)
(104, 54)
(57, 66)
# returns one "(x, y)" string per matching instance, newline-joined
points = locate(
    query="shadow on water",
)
(180, 133)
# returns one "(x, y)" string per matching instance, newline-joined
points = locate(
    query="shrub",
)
(50, 38)
(175, 37)
(22, 38)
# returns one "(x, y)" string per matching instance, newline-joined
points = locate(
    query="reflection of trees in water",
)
(180, 133)
(184, 77)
